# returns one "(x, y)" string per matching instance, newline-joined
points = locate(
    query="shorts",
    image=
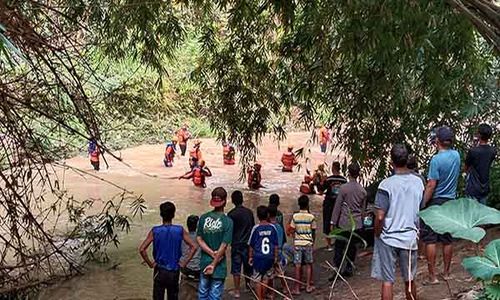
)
(386, 257)
(428, 235)
(323, 148)
(263, 275)
(191, 274)
(303, 254)
(239, 256)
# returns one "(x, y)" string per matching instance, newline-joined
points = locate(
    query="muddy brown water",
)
(132, 280)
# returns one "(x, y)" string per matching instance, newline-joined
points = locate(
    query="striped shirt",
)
(304, 223)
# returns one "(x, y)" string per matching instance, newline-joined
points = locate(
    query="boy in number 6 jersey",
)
(263, 250)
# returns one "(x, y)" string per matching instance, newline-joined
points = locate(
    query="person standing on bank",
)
(332, 185)
(214, 235)
(351, 199)
(397, 204)
(167, 250)
(243, 222)
(478, 164)
(442, 182)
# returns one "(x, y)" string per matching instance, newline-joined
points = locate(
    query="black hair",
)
(303, 202)
(485, 131)
(192, 223)
(336, 166)
(274, 199)
(354, 169)
(262, 213)
(273, 210)
(167, 211)
(237, 198)
(219, 192)
(399, 155)
(412, 162)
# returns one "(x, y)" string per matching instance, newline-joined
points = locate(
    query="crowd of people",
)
(259, 248)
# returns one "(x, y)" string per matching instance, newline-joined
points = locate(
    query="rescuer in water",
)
(254, 176)
(228, 153)
(195, 153)
(198, 174)
(170, 150)
(288, 160)
(183, 135)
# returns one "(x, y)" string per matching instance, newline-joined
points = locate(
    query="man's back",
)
(303, 222)
(243, 223)
(445, 168)
(350, 200)
(478, 161)
(167, 246)
(194, 263)
(400, 196)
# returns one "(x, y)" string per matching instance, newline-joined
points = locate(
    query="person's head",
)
(262, 213)
(192, 223)
(202, 163)
(174, 140)
(303, 202)
(399, 155)
(335, 167)
(412, 163)
(321, 168)
(273, 211)
(237, 198)
(354, 169)
(185, 126)
(485, 132)
(197, 143)
(257, 167)
(167, 211)
(445, 136)
(219, 196)
(224, 143)
(274, 199)
(290, 148)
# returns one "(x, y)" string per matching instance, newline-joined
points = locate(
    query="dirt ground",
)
(367, 288)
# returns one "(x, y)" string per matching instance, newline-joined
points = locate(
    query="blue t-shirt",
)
(263, 240)
(445, 169)
(167, 246)
(281, 233)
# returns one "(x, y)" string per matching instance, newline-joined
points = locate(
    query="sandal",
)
(429, 283)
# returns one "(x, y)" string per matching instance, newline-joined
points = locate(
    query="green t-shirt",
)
(215, 228)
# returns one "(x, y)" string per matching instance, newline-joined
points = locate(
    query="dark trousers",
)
(340, 248)
(95, 164)
(165, 280)
(183, 149)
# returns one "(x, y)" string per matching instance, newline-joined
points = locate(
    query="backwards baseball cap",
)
(219, 196)
(444, 134)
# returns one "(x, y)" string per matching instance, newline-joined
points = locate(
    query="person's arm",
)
(250, 255)
(313, 229)
(429, 190)
(143, 250)
(382, 206)
(221, 252)
(188, 175)
(192, 248)
(291, 227)
(208, 173)
(363, 206)
(204, 247)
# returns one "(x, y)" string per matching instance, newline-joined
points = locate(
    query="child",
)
(273, 211)
(302, 226)
(274, 200)
(167, 239)
(192, 269)
(263, 250)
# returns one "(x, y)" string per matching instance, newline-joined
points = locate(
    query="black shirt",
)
(243, 223)
(332, 184)
(479, 160)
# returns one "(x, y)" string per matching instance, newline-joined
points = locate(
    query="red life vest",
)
(288, 160)
(169, 153)
(228, 155)
(253, 179)
(305, 188)
(94, 155)
(198, 176)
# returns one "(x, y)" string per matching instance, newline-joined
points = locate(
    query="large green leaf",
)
(460, 218)
(486, 267)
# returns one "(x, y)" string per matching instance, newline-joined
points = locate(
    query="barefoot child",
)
(167, 239)
(263, 250)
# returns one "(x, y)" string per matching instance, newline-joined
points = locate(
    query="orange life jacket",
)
(305, 186)
(324, 136)
(195, 153)
(228, 155)
(182, 136)
(94, 155)
(288, 160)
(253, 179)
(198, 176)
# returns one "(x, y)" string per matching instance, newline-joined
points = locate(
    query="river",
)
(129, 279)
